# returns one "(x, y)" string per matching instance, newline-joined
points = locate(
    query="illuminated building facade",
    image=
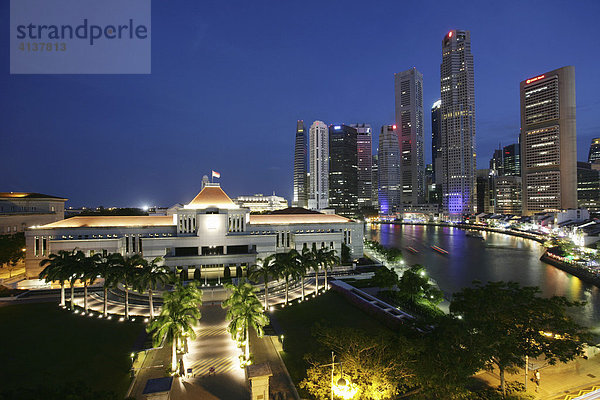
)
(436, 142)
(388, 158)
(209, 233)
(512, 160)
(343, 169)
(319, 166)
(364, 152)
(408, 88)
(507, 195)
(588, 187)
(548, 141)
(375, 175)
(300, 167)
(261, 203)
(19, 210)
(594, 154)
(457, 85)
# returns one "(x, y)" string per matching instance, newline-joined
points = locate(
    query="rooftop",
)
(284, 219)
(28, 195)
(211, 196)
(111, 221)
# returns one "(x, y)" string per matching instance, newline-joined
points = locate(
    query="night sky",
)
(229, 80)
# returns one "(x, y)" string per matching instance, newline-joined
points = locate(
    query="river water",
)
(498, 257)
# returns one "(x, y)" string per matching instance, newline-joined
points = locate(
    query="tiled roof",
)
(112, 221)
(283, 219)
(28, 195)
(212, 196)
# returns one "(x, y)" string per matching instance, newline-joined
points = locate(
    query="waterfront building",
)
(375, 186)
(210, 233)
(300, 167)
(484, 192)
(548, 141)
(408, 89)
(457, 85)
(260, 203)
(436, 142)
(364, 152)
(389, 195)
(507, 193)
(588, 187)
(20, 210)
(343, 169)
(319, 166)
(594, 154)
(512, 160)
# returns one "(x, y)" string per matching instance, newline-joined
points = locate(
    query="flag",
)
(215, 174)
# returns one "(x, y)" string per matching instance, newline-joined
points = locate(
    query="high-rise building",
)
(389, 170)
(365, 154)
(436, 142)
(375, 186)
(484, 191)
(457, 85)
(497, 162)
(594, 155)
(588, 187)
(343, 169)
(512, 160)
(548, 141)
(507, 192)
(408, 87)
(300, 167)
(319, 166)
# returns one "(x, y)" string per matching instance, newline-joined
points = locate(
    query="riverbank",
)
(581, 273)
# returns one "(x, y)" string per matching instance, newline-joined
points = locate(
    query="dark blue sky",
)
(230, 79)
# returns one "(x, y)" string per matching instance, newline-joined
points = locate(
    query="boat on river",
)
(474, 234)
(439, 250)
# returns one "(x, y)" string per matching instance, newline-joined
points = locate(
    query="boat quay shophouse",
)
(209, 233)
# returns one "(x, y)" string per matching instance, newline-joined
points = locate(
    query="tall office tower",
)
(507, 195)
(365, 159)
(343, 169)
(436, 142)
(300, 167)
(483, 190)
(594, 155)
(319, 166)
(457, 85)
(588, 187)
(497, 162)
(548, 141)
(512, 160)
(388, 156)
(375, 180)
(408, 87)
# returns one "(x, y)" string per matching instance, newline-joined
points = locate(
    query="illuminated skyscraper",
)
(457, 84)
(436, 142)
(389, 170)
(594, 155)
(512, 160)
(408, 88)
(300, 167)
(319, 166)
(343, 169)
(548, 141)
(364, 151)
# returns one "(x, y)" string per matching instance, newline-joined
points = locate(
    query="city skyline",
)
(91, 127)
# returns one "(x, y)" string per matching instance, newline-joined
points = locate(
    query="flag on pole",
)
(215, 174)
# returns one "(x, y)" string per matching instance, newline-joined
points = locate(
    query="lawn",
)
(44, 348)
(298, 320)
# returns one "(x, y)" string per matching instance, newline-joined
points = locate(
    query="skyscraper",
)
(588, 187)
(548, 141)
(300, 167)
(319, 166)
(364, 150)
(388, 157)
(436, 142)
(497, 162)
(408, 88)
(594, 155)
(457, 83)
(375, 187)
(512, 160)
(343, 169)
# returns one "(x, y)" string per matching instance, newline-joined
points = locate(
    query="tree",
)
(287, 267)
(74, 271)
(307, 259)
(244, 311)
(510, 322)
(109, 269)
(264, 269)
(227, 274)
(150, 276)
(177, 319)
(384, 278)
(329, 261)
(128, 275)
(11, 248)
(88, 273)
(414, 286)
(197, 273)
(57, 268)
(346, 253)
(319, 260)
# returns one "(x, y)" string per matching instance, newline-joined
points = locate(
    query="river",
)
(498, 257)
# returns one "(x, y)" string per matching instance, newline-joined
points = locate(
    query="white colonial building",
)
(209, 233)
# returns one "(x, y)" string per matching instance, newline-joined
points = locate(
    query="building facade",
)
(364, 150)
(594, 154)
(319, 166)
(507, 195)
(457, 85)
(436, 142)
(300, 167)
(20, 210)
(512, 160)
(548, 141)
(408, 89)
(375, 175)
(588, 187)
(260, 203)
(388, 158)
(209, 233)
(343, 169)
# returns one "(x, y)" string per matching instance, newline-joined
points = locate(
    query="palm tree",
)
(244, 311)
(286, 266)
(74, 271)
(88, 272)
(109, 269)
(330, 260)
(319, 260)
(264, 269)
(56, 269)
(150, 276)
(129, 274)
(177, 318)
(307, 262)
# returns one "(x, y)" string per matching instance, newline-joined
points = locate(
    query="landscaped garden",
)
(50, 353)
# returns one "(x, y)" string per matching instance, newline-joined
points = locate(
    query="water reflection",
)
(498, 257)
